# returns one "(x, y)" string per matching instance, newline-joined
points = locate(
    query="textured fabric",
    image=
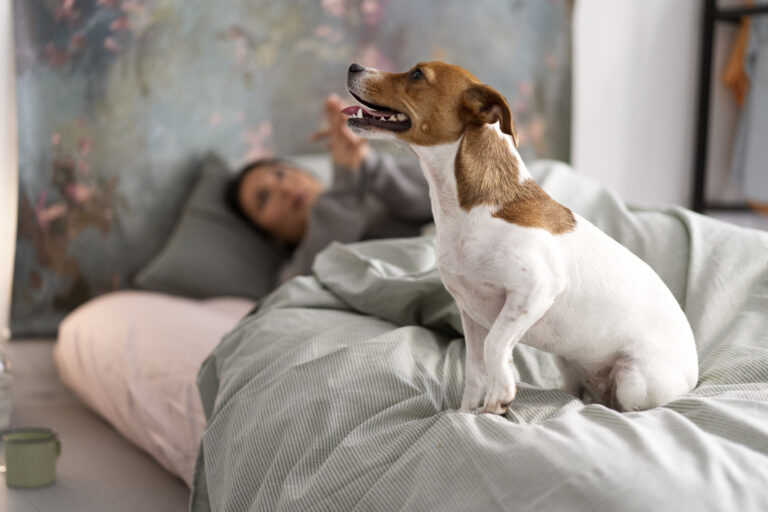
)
(340, 392)
(132, 356)
(383, 199)
(213, 252)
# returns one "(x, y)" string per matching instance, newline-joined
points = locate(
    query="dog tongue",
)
(351, 111)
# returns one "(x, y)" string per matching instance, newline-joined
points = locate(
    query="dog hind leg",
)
(628, 388)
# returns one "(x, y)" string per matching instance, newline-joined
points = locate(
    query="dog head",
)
(431, 103)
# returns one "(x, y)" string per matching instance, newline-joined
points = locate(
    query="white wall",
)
(635, 89)
(8, 162)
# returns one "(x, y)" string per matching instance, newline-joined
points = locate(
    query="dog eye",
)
(416, 74)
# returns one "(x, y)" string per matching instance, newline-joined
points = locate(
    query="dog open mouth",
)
(376, 116)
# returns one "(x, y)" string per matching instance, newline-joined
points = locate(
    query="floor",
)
(98, 469)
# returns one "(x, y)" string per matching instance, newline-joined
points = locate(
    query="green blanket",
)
(340, 391)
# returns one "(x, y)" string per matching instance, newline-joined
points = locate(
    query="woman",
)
(370, 196)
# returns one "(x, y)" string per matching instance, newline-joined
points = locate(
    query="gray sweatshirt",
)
(383, 199)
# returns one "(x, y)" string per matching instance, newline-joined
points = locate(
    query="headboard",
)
(117, 99)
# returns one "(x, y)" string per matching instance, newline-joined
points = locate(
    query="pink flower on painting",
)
(372, 13)
(83, 167)
(79, 193)
(119, 25)
(76, 43)
(66, 10)
(138, 17)
(214, 119)
(519, 106)
(107, 3)
(46, 215)
(525, 88)
(334, 7)
(55, 139)
(258, 141)
(84, 146)
(56, 57)
(111, 44)
(329, 33)
(537, 129)
(370, 56)
(323, 30)
(131, 6)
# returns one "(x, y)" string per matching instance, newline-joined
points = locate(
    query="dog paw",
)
(500, 393)
(472, 399)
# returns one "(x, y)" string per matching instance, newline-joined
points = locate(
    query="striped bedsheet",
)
(340, 391)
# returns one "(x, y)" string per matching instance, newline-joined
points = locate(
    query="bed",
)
(339, 391)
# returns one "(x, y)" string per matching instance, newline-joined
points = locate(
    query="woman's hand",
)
(347, 149)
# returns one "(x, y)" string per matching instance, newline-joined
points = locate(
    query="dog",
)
(521, 266)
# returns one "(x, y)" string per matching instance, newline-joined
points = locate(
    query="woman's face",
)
(277, 198)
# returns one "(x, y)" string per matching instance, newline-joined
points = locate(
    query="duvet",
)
(340, 391)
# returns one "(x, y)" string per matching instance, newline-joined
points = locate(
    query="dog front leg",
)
(474, 373)
(516, 317)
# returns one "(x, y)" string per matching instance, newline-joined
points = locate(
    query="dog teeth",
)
(391, 118)
(401, 117)
(359, 113)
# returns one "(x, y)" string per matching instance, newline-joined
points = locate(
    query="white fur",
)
(579, 295)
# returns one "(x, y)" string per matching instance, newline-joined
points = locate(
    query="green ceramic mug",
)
(30, 456)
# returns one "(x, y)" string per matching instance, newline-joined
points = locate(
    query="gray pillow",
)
(212, 251)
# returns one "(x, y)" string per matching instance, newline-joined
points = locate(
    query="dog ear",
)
(483, 104)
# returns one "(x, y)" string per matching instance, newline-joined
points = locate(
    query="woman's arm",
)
(399, 185)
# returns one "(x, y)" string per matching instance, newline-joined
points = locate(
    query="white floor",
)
(98, 469)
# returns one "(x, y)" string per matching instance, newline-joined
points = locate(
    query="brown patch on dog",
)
(537, 210)
(486, 170)
(487, 173)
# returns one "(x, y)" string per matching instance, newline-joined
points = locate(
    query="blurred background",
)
(118, 100)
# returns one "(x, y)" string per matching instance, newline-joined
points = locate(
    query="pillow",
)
(212, 251)
(133, 356)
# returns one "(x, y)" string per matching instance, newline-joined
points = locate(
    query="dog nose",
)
(356, 68)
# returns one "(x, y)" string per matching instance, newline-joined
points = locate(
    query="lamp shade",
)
(9, 174)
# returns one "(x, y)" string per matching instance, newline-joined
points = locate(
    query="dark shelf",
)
(727, 207)
(734, 14)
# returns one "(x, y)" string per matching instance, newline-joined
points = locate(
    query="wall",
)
(8, 163)
(635, 74)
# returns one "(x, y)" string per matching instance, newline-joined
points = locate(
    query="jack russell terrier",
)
(521, 266)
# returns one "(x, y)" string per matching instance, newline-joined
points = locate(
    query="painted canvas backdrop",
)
(118, 99)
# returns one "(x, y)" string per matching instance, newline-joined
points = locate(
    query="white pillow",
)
(133, 357)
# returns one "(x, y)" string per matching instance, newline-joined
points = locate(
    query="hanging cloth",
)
(735, 76)
(749, 158)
